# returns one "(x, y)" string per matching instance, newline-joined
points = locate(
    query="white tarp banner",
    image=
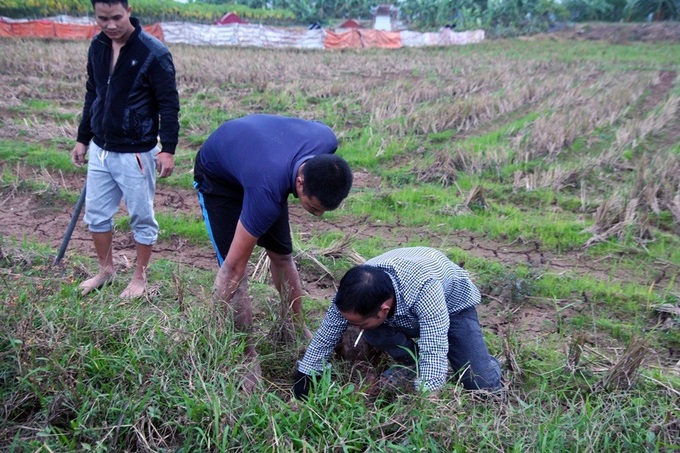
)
(241, 35)
(262, 36)
(445, 37)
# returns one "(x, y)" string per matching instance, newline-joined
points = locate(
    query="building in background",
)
(385, 17)
(230, 18)
(350, 23)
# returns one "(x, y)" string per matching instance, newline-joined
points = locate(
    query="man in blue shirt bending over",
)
(244, 173)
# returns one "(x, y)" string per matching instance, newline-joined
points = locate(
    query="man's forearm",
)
(226, 285)
(231, 294)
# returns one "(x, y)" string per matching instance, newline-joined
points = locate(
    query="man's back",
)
(258, 149)
(260, 155)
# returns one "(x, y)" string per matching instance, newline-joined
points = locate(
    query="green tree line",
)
(499, 17)
(148, 10)
(523, 15)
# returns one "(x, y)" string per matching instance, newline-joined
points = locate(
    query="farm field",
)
(548, 167)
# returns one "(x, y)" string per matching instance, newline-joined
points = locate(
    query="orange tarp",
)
(49, 29)
(68, 31)
(5, 29)
(39, 29)
(155, 30)
(358, 38)
(350, 39)
(380, 38)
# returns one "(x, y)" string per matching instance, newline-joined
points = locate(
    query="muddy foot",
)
(134, 290)
(96, 282)
(251, 377)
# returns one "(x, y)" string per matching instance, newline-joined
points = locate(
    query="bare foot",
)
(96, 282)
(134, 290)
(251, 377)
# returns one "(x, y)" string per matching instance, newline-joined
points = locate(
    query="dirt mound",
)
(619, 33)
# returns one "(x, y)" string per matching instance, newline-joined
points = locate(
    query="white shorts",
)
(114, 176)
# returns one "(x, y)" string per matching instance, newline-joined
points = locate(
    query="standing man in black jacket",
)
(131, 99)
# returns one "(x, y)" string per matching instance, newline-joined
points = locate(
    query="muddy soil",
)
(42, 218)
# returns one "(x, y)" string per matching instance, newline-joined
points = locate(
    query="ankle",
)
(107, 270)
(140, 273)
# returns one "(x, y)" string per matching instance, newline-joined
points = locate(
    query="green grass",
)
(13, 152)
(163, 374)
(605, 55)
(172, 368)
(189, 227)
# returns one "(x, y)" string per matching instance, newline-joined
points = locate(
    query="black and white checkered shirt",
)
(428, 287)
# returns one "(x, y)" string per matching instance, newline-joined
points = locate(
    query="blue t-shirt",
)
(262, 154)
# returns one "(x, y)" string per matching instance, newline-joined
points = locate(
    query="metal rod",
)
(71, 226)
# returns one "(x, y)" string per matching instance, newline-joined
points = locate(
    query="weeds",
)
(101, 375)
(510, 156)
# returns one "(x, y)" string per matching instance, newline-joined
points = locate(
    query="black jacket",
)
(122, 109)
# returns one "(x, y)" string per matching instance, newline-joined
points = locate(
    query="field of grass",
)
(548, 168)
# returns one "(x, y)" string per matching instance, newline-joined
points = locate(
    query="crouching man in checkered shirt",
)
(404, 294)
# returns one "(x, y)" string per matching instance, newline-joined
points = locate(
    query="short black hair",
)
(124, 3)
(328, 178)
(363, 289)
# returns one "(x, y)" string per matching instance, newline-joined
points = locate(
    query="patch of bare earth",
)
(44, 219)
(620, 33)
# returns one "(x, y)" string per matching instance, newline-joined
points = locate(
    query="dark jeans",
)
(467, 349)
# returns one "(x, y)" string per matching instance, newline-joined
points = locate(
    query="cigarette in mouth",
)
(356, 342)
